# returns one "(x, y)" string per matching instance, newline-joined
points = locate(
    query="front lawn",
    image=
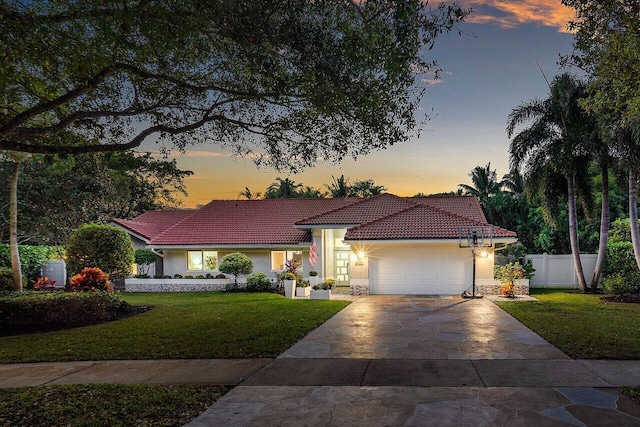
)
(582, 326)
(105, 405)
(182, 326)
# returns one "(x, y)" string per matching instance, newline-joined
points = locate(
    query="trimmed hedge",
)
(45, 311)
(104, 246)
(31, 259)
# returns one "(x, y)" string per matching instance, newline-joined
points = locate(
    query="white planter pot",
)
(313, 280)
(289, 288)
(321, 294)
(303, 292)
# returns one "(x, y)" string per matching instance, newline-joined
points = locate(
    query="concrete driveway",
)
(424, 361)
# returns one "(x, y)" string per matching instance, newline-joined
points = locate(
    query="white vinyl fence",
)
(559, 270)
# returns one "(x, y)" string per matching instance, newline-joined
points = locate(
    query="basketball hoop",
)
(475, 237)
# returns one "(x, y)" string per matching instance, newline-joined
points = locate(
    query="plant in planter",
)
(313, 277)
(323, 290)
(507, 274)
(289, 280)
(303, 288)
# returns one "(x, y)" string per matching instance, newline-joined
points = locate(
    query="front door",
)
(342, 258)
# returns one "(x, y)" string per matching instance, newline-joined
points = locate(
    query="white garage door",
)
(421, 271)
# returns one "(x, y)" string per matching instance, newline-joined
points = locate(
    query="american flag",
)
(313, 253)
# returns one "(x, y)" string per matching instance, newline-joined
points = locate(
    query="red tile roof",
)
(286, 221)
(247, 222)
(419, 222)
(152, 223)
(467, 206)
(364, 211)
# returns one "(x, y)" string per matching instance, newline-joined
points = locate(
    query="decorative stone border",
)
(175, 285)
(487, 288)
(359, 287)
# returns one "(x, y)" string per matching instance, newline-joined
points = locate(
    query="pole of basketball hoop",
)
(473, 290)
(473, 254)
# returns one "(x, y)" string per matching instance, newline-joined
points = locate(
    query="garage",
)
(428, 269)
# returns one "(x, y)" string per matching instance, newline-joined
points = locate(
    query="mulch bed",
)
(630, 298)
(132, 310)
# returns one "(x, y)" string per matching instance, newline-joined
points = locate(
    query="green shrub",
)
(620, 260)
(144, 258)
(6, 279)
(104, 246)
(236, 263)
(31, 259)
(258, 282)
(617, 285)
(44, 311)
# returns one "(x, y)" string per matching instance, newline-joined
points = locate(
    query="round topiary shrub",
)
(237, 264)
(104, 246)
(258, 282)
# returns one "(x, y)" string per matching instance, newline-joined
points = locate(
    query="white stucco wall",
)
(175, 261)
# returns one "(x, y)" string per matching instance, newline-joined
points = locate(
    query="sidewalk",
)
(329, 372)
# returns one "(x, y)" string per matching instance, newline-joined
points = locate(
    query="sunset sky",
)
(484, 76)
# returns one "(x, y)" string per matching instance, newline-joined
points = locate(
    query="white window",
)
(279, 258)
(202, 260)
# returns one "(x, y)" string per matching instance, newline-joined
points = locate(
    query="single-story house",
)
(384, 244)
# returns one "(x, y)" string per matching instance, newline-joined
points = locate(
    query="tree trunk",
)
(573, 233)
(605, 222)
(13, 228)
(633, 215)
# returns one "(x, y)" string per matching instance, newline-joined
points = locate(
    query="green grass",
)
(182, 326)
(105, 405)
(632, 393)
(582, 326)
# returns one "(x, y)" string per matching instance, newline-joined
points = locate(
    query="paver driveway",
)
(384, 327)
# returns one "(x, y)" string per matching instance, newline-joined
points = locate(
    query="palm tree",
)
(485, 186)
(249, 195)
(309, 192)
(554, 146)
(283, 189)
(338, 187)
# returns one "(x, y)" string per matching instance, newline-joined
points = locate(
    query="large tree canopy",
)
(290, 81)
(59, 195)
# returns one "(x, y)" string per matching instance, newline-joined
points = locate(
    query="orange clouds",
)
(510, 14)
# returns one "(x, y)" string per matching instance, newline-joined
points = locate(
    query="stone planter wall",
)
(492, 287)
(176, 285)
(359, 287)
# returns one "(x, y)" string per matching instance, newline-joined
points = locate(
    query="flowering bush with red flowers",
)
(507, 274)
(44, 284)
(90, 279)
